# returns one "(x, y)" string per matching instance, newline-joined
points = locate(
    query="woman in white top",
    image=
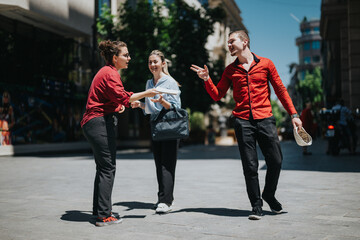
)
(165, 152)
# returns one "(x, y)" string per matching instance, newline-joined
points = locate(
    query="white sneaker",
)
(163, 208)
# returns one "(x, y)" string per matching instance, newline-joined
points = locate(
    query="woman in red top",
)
(107, 97)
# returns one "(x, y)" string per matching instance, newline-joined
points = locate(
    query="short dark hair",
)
(242, 34)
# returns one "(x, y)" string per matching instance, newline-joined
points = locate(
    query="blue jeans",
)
(263, 132)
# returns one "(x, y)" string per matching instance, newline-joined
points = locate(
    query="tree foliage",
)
(189, 30)
(310, 88)
(136, 27)
(105, 24)
(181, 34)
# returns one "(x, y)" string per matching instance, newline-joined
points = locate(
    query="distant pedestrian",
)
(107, 97)
(7, 119)
(250, 76)
(345, 121)
(307, 119)
(211, 135)
(165, 152)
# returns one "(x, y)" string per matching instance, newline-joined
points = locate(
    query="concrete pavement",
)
(50, 197)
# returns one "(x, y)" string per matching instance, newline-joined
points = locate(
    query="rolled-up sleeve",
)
(116, 91)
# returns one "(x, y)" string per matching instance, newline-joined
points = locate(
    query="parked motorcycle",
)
(335, 133)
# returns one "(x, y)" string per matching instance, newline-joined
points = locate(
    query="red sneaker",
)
(100, 222)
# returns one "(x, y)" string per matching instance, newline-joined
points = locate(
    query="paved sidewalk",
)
(50, 197)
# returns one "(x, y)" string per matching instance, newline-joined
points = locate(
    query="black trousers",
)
(165, 155)
(263, 131)
(101, 133)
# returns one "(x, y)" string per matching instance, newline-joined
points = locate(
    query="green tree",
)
(105, 24)
(189, 29)
(181, 35)
(137, 27)
(310, 88)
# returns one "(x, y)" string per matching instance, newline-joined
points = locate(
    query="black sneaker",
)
(256, 213)
(100, 222)
(274, 204)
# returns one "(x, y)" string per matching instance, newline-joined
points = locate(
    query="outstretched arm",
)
(215, 92)
(148, 93)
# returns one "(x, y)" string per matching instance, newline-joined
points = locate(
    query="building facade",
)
(309, 45)
(340, 31)
(309, 49)
(217, 42)
(48, 58)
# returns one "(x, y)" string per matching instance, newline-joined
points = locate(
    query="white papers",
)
(167, 91)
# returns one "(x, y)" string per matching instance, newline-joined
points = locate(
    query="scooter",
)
(334, 132)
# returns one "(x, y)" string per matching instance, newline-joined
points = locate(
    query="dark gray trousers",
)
(165, 155)
(101, 132)
(263, 131)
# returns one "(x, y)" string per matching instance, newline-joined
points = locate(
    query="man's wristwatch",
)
(294, 116)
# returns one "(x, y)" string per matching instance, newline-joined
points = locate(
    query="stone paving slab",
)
(50, 197)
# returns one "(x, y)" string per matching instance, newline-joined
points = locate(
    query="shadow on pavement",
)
(323, 163)
(293, 157)
(226, 212)
(78, 216)
(135, 205)
(318, 161)
(191, 152)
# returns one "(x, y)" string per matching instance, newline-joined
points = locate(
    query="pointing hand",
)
(203, 73)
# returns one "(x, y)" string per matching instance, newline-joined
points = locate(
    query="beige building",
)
(48, 60)
(217, 43)
(41, 21)
(68, 18)
(309, 45)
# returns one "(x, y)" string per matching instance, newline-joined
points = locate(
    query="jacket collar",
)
(256, 59)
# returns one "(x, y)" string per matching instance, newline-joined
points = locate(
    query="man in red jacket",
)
(250, 76)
